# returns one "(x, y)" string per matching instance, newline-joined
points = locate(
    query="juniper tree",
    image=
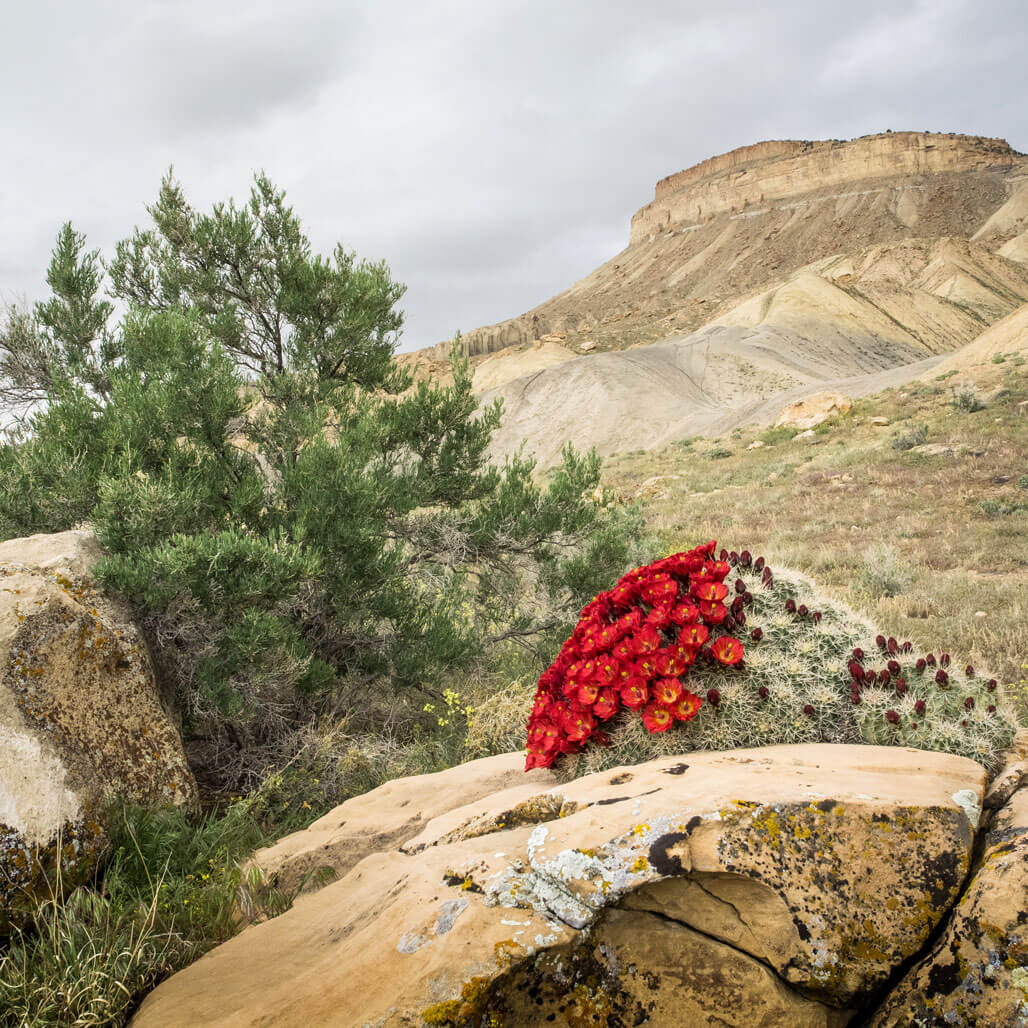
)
(287, 509)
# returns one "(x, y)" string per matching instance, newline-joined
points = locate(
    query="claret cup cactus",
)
(714, 650)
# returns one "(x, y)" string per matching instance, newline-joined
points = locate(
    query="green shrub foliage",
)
(287, 509)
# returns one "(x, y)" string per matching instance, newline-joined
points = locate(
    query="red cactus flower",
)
(757, 634)
(713, 697)
(892, 717)
(606, 704)
(577, 725)
(687, 707)
(634, 694)
(713, 613)
(666, 691)
(587, 693)
(657, 718)
(712, 592)
(693, 636)
(727, 650)
(919, 708)
(646, 640)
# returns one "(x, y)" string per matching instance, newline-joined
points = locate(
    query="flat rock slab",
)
(767, 886)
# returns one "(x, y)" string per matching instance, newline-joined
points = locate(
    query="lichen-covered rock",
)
(771, 886)
(80, 715)
(977, 974)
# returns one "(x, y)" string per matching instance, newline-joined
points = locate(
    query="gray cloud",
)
(491, 153)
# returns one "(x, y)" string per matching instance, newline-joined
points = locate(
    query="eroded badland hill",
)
(761, 275)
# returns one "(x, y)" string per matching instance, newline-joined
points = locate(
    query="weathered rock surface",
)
(977, 973)
(814, 410)
(80, 716)
(385, 818)
(758, 887)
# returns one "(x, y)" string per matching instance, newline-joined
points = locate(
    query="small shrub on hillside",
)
(914, 436)
(967, 400)
(883, 574)
(717, 453)
(999, 358)
(1022, 482)
(779, 434)
(810, 670)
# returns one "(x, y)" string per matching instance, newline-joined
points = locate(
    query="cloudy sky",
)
(491, 151)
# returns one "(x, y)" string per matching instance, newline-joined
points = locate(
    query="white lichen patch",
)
(411, 942)
(967, 800)
(451, 910)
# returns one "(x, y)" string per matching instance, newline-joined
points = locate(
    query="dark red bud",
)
(855, 699)
(747, 597)
(733, 558)
(892, 717)
(802, 610)
(723, 555)
(809, 710)
(892, 646)
(991, 685)
(757, 634)
(944, 660)
(740, 586)
(758, 564)
(790, 606)
(817, 616)
(763, 693)
(921, 664)
(907, 646)
(880, 642)
(913, 724)
(745, 558)
(919, 707)
(964, 723)
(858, 654)
(893, 667)
(856, 671)
(713, 697)
(884, 677)
(969, 703)
(901, 686)
(941, 677)
(969, 671)
(991, 708)
(930, 660)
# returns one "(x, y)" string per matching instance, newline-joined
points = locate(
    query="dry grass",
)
(822, 506)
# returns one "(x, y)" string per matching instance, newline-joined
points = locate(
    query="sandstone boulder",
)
(813, 410)
(80, 716)
(977, 973)
(385, 818)
(777, 886)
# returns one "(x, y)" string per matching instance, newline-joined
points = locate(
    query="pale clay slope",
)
(1006, 338)
(857, 324)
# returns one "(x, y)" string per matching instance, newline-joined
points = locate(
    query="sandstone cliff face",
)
(742, 221)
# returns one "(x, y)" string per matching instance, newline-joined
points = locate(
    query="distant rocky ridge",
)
(757, 277)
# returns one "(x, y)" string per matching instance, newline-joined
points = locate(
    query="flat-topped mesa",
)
(745, 181)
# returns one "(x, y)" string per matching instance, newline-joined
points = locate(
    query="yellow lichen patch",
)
(641, 864)
(473, 996)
